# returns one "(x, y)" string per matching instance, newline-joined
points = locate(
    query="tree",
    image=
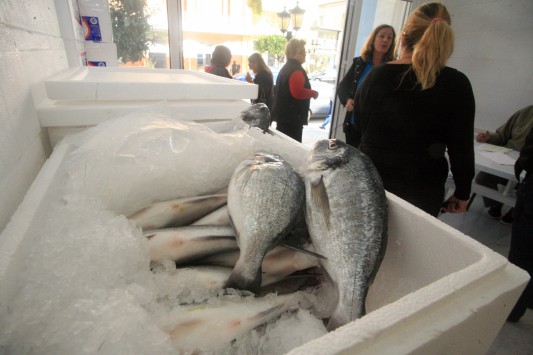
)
(273, 44)
(131, 30)
(256, 6)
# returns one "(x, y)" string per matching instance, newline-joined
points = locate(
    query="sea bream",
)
(264, 196)
(346, 213)
(257, 115)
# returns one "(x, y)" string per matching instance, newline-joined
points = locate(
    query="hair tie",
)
(436, 19)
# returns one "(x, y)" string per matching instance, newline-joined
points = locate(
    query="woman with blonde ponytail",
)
(413, 110)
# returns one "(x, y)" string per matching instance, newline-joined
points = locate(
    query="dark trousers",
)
(427, 198)
(353, 137)
(292, 130)
(492, 181)
(521, 251)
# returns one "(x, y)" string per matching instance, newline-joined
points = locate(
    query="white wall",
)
(494, 48)
(31, 49)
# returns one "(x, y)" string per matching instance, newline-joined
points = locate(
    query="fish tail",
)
(239, 281)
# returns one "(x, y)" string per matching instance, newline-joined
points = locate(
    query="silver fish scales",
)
(265, 195)
(347, 216)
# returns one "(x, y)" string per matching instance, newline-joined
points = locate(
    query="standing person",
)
(263, 78)
(327, 120)
(512, 134)
(410, 111)
(293, 92)
(220, 60)
(521, 251)
(235, 68)
(378, 49)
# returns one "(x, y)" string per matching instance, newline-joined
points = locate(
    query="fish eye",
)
(332, 144)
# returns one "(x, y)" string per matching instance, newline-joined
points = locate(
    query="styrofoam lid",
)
(94, 83)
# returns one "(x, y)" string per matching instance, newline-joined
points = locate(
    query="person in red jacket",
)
(293, 92)
(220, 60)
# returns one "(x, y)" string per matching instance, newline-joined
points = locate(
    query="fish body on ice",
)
(177, 212)
(264, 196)
(346, 213)
(278, 263)
(257, 115)
(218, 217)
(208, 327)
(189, 243)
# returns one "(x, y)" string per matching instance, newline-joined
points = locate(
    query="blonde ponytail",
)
(429, 35)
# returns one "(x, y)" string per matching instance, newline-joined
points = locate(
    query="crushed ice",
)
(85, 285)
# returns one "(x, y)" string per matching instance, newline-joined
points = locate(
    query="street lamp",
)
(285, 18)
(295, 15)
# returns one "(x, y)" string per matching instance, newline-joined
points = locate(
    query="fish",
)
(209, 327)
(347, 219)
(177, 212)
(195, 282)
(278, 263)
(257, 115)
(189, 243)
(218, 217)
(264, 196)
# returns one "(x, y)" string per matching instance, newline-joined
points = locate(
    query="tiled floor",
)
(514, 338)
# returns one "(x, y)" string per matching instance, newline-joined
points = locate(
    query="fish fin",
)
(312, 253)
(320, 198)
(237, 280)
(266, 313)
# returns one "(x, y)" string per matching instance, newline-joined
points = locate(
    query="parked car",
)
(242, 76)
(319, 108)
(328, 75)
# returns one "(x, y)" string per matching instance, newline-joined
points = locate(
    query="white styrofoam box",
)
(93, 83)
(85, 96)
(437, 290)
(101, 54)
(61, 118)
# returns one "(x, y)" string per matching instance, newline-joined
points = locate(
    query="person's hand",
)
(315, 95)
(249, 78)
(349, 105)
(482, 136)
(454, 205)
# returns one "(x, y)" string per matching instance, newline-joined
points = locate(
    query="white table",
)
(506, 196)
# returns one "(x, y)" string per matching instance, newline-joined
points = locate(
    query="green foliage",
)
(131, 30)
(256, 6)
(273, 44)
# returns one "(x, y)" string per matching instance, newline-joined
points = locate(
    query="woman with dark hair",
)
(220, 60)
(263, 78)
(378, 49)
(413, 110)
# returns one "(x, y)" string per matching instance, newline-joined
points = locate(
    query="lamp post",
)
(295, 16)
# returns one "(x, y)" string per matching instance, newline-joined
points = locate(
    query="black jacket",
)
(348, 85)
(287, 109)
(525, 161)
(263, 79)
(219, 70)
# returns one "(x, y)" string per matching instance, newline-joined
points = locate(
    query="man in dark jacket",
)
(293, 92)
(521, 251)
